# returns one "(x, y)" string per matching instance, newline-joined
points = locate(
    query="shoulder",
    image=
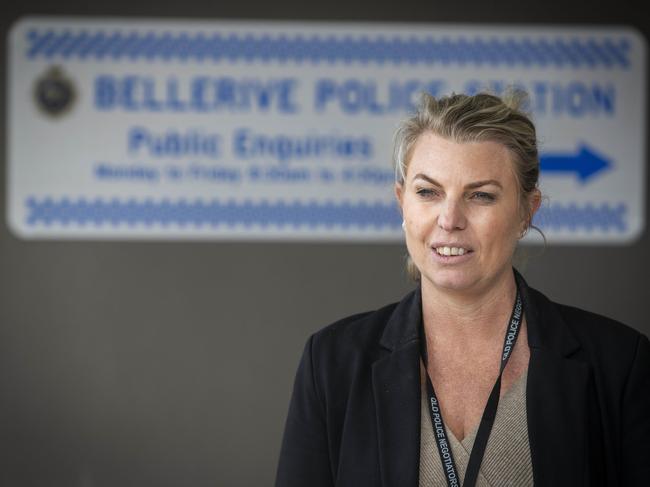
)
(338, 358)
(591, 327)
(601, 338)
(358, 334)
(613, 345)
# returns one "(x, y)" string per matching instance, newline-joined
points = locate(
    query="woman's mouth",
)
(449, 254)
(451, 250)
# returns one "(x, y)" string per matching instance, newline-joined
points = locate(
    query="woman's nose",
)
(452, 216)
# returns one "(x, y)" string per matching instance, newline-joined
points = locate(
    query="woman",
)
(474, 378)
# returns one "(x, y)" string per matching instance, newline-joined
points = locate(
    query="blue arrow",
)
(586, 163)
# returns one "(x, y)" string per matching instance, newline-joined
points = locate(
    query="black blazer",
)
(354, 417)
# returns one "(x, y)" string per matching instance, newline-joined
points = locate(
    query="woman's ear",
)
(399, 192)
(534, 201)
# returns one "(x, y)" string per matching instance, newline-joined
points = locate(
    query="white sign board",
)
(243, 130)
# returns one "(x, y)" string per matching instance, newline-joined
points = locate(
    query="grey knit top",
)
(507, 456)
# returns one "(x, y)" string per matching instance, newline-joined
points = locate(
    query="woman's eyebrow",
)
(484, 182)
(474, 185)
(426, 178)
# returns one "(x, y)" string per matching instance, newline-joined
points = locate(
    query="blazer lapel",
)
(556, 402)
(556, 395)
(396, 387)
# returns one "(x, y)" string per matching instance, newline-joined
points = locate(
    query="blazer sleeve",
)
(304, 455)
(635, 455)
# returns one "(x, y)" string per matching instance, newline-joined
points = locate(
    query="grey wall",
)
(170, 364)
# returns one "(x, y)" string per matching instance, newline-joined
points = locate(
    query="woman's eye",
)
(482, 196)
(426, 192)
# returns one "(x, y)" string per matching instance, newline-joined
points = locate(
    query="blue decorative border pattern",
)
(589, 217)
(48, 211)
(210, 213)
(153, 46)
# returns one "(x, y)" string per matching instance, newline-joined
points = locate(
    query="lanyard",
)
(487, 420)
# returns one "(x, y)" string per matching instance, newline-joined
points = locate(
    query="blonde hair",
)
(474, 118)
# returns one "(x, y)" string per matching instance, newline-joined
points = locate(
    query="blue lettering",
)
(575, 99)
(149, 95)
(325, 92)
(105, 96)
(199, 94)
(239, 143)
(540, 92)
(173, 100)
(354, 96)
(578, 99)
(128, 93)
(604, 97)
(126, 172)
(197, 91)
(371, 95)
(285, 148)
(351, 96)
(225, 92)
(286, 103)
(173, 143)
(263, 95)
(137, 137)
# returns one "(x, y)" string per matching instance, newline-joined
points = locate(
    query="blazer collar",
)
(403, 325)
(546, 329)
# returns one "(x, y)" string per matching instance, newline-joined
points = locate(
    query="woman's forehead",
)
(442, 158)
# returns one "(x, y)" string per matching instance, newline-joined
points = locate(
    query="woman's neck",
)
(477, 315)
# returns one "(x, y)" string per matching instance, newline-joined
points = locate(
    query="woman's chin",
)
(452, 281)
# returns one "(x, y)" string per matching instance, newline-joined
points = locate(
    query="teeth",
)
(451, 251)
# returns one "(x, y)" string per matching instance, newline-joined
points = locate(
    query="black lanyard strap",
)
(489, 413)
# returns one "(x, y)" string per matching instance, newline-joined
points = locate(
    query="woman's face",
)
(462, 213)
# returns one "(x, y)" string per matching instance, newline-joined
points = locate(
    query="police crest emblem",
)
(54, 92)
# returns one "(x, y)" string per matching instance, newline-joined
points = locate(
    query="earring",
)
(403, 225)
